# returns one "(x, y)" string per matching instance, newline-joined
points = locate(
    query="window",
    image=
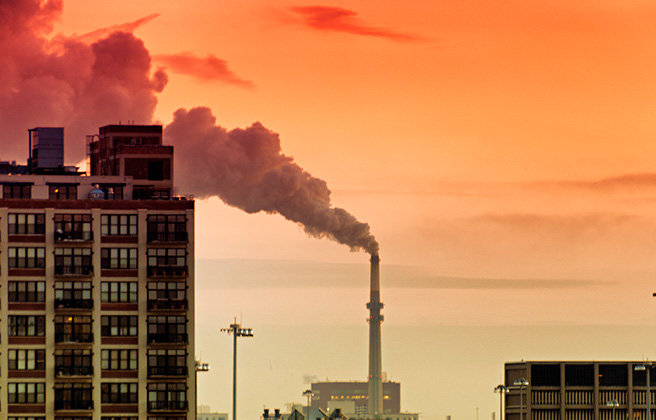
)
(115, 359)
(73, 418)
(73, 261)
(26, 291)
(118, 393)
(26, 359)
(167, 362)
(26, 393)
(26, 326)
(73, 396)
(173, 290)
(118, 224)
(26, 224)
(73, 362)
(73, 227)
(118, 258)
(167, 329)
(73, 328)
(17, 191)
(167, 396)
(62, 192)
(112, 191)
(118, 326)
(118, 291)
(123, 418)
(26, 418)
(165, 257)
(167, 227)
(66, 291)
(19, 257)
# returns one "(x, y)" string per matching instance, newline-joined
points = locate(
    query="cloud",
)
(336, 19)
(124, 27)
(209, 68)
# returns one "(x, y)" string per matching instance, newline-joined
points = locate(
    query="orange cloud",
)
(208, 69)
(343, 20)
(123, 27)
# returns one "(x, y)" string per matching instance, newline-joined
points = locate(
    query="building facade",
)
(96, 297)
(579, 390)
(352, 398)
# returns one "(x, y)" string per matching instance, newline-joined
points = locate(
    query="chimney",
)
(375, 400)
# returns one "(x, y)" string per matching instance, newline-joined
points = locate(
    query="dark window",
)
(167, 396)
(118, 258)
(118, 393)
(73, 328)
(19, 359)
(26, 291)
(26, 393)
(639, 376)
(167, 362)
(73, 396)
(579, 375)
(155, 170)
(112, 192)
(167, 227)
(26, 326)
(613, 375)
(73, 362)
(126, 418)
(167, 257)
(118, 291)
(545, 375)
(167, 329)
(26, 224)
(17, 191)
(169, 290)
(26, 418)
(73, 290)
(118, 326)
(26, 257)
(118, 224)
(62, 192)
(118, 359)
(73, 227)
(73, 261)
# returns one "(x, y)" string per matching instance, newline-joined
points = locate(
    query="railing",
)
(168, 370)
(174, 304)
(85, 236)
(168, 338)
(167, 271)
(640, 397)
(167, 405)
(73, 404)
(73, 303)
(619, 414)
(62, 370)
(579, 415)
(579, 398)
(73, 270)
(545, 414)
(168, 237)
(619, 396)
(545, 397)
(73, 337)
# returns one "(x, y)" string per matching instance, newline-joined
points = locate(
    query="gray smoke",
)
(246, 169)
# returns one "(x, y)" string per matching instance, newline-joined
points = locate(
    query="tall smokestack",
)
(375, 360)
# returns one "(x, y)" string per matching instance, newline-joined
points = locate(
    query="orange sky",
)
(491, 141)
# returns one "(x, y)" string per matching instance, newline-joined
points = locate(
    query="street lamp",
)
(646, 367)
(308, 393)
(501, 389)
(199, 367)
(521, 383)
(614, 404)
(237, 331)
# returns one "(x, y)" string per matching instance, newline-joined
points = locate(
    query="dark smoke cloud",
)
(209, 68)
(66, 82)
(246, 169)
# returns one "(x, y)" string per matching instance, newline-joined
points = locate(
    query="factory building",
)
(579, 390)
(96, 282)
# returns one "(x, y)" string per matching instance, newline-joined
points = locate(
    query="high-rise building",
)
(97, 285)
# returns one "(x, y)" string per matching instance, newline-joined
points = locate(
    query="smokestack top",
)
(375, 259)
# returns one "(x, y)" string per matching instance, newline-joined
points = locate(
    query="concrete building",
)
(579, 390)
(96, 289)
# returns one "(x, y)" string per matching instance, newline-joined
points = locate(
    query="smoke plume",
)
(246, 169)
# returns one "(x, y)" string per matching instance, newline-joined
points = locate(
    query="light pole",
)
(521, 383)
(237, 331)
(200, 367)
(614, 404)
(501, 389)
(308, 394)
(646, 367)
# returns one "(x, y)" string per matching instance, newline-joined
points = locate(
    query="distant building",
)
(579, 390)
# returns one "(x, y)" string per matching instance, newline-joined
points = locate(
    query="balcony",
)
(167, 237)
(167, 271)
(73, 337)
(62, 370)
(74, 270)
(73, 303)
(86, 236)
(73, 404)
(167, 304)
(167, 405)
(164, 338)
(168, 371)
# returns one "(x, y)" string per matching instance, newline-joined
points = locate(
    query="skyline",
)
(502, 154)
